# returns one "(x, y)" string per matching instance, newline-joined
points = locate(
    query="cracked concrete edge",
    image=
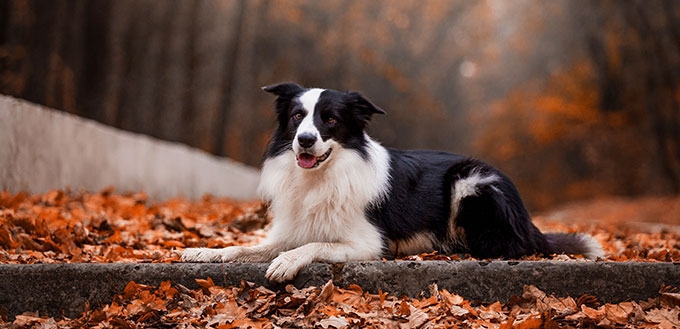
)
(57, 289)
(42, 149)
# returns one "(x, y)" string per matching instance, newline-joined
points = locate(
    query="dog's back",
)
(337, 195)
(417, 201)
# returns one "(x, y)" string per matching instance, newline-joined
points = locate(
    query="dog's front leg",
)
(260, 253)
(289, 263)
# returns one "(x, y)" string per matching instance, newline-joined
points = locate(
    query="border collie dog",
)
(337, 195)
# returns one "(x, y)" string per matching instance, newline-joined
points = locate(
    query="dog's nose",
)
(306, 140)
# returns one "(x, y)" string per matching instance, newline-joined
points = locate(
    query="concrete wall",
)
(43, 149)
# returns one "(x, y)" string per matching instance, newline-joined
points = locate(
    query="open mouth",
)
(308, 161)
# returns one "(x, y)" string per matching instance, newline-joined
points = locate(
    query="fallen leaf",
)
(532, 322)
(670, 299)
(617, 314)
(416, 317)
(666, 318)
(532, 293)
(334, 322)
(596, 315)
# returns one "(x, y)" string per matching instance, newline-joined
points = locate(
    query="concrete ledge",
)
(43, 149)
(53, 288)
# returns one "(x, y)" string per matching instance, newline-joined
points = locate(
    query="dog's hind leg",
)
(488, 216)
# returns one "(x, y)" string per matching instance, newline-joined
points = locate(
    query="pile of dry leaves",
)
(61, 226)
(247, 306)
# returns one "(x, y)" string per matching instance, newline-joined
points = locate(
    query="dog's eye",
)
(298, 116)
(331, 121)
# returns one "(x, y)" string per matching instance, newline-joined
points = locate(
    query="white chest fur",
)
(327, 204)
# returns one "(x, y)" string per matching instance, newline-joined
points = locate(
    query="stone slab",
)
(56, 288)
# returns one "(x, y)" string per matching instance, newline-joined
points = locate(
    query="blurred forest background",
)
(573, 99)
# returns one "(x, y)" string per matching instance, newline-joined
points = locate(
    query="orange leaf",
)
(173, 243)
(528, 323)
(205, 284)
(594, 314)
(507, 324)
(130, 290)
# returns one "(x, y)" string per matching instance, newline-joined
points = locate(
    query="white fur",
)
(316, 206)
(308, 101)
(325, 206)
(463, 188)
(594, 248)
(467, 186)
(319, 215)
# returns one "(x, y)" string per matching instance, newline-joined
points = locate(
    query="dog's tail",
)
(576, 244)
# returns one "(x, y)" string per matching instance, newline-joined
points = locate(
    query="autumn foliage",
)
(572, 99)
(63, 226)
(248, 306)
(105, 227)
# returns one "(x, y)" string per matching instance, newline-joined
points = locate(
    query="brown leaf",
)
(605, 323)
(26, 319)
(617, 313)
(588, 300)
(452, 299)
(507, 324)
(326, 291)
(6, 239)
(515, 301)
(495, 307)
(533, 322)
(416, 318)
(532, 293)
(205, 284)
(130, 290)
(404, 308)
(595, 315)
(334, 322)
(458, 311)
(666, 318)
(670, 289)
(562, 306)
(424, 303)
(173, 243)
(670, 299)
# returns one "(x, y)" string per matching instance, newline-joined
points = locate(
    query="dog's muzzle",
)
(309, 161)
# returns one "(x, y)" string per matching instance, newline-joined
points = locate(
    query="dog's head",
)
(313, 123)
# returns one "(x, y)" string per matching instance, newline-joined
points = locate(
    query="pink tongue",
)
(306, 160)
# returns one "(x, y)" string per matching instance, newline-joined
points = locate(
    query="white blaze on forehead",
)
(309, 98)
(308, 101)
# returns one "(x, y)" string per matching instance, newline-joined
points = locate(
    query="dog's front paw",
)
(287, 265)
(202, 255)
(208, 255)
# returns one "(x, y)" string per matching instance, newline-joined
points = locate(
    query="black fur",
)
(351, 110)
(495, 224)
(494, 219)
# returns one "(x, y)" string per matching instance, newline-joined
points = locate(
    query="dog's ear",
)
(357, 101)
(284, 89)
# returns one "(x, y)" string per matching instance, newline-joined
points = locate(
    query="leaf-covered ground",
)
(248, 306)
(61, 226)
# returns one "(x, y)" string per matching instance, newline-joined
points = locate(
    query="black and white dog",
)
(337, 195)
